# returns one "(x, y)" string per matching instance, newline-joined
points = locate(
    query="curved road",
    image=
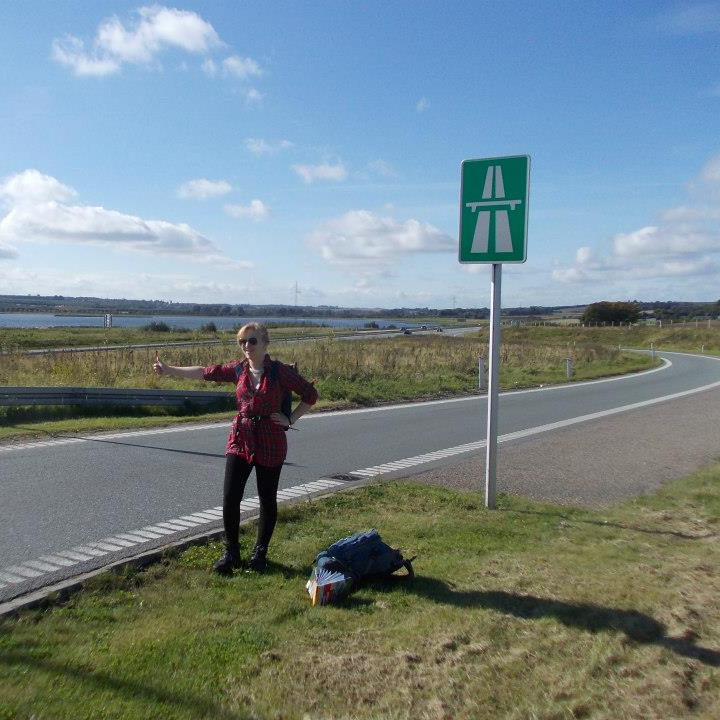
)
(70, 505)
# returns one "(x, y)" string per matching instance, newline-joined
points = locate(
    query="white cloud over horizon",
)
(685, 243)
(360, 236)
(39, 212)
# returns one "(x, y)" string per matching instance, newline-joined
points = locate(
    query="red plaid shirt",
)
(253, 435)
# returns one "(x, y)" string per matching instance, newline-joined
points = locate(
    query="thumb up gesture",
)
(159, 367)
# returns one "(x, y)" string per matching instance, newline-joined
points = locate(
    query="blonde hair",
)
(259, 328)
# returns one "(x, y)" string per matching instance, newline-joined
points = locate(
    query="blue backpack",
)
(339, 568)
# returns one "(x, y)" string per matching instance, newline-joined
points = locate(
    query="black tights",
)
(237, 472)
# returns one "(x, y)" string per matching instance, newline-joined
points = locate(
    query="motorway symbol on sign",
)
(493, 210)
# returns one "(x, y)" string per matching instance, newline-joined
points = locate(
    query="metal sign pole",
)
(493, 385)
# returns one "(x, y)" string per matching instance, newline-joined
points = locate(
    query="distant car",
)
(407, 332)
(438, 329)
(423, 327)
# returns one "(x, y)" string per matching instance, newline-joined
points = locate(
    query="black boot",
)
(230, 560)
(257, 559)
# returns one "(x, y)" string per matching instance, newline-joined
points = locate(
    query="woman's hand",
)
(280, 419)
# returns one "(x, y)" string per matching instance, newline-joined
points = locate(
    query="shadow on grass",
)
(198, 705)
(637, 626)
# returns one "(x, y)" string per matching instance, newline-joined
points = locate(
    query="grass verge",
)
(354, 373)
(530, 611)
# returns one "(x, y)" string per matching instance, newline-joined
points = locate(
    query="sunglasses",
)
(250, 341)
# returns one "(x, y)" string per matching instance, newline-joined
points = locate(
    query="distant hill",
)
(63, 305)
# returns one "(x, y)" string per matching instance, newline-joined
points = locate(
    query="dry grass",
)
(408, 359)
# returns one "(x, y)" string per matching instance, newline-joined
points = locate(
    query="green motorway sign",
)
(494, 209)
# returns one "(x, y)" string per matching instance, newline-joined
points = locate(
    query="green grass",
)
(530, 611)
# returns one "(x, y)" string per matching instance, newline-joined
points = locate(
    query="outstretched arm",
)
(189, 372)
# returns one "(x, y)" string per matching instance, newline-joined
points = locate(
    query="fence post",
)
(481, 374)
(570, 369)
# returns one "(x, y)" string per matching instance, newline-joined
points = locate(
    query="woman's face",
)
(252, 345)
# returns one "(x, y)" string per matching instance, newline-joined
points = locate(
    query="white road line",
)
(327, 415)
(23, 571)
(134, 539)
(205, 516)
(106, 546)
(146, 535)
(52, 563)
(184, 523)
(90, 551)
(158, 530)
(57, 560)
(118, 541)
(42, 566)
(9, 577)
(74, 555)
(376, 470)
(173, 527)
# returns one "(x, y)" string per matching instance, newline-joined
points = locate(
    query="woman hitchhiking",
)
(257, 436)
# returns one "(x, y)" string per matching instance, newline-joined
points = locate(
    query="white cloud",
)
(382, 168)
(324, 171)
(156, 29)
(253, 97)
(42, 215)
(711, 171)
(361, 236)
(203, 188)
(7, 252)
(684, 244)
(32, 187)
(257, 210)
(670, 240)
(258, 146)
(209, 67)
(241, 68)
(690, 19)
(71, 51)
(422, 105)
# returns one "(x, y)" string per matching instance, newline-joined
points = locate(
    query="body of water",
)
(48, 320)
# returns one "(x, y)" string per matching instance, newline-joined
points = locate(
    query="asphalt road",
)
(67, 506)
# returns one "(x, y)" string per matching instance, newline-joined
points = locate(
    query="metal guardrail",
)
(19, 396)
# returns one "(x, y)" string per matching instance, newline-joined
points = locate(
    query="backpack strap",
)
(407, 564)
(238, 370)
(285, 395)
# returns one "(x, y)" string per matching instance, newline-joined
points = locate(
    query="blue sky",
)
(227, 151)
